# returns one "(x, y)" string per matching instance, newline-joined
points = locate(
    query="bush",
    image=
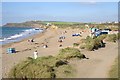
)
(82, 47)
(65, 71)
(111, 38)
(31, 68)
(97, 43)
(46, 67)
(43, 67)
(102, 37)
(89, 47)
(89, 40)
(82, 40)
(69, 50)
(93, 43)
(60, 62)
(75, 44)
(118, 36)
(69, 53)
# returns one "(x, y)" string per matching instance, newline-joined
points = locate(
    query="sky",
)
(60, 0)
(59, 11)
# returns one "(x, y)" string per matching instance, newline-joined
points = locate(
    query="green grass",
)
(60, 22)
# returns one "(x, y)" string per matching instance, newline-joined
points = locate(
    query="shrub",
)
(46, 67)
(69, 53)
(52, 75)
(31, 68)
(42, 67)
(60, 62)
(97, 43)
(65, 71)
(75, 44)
(68, 50)
(93, 43)
(82, 46)
(118, 36)
(89, 47)
(102, 37)
(82, 40)
(111, 38)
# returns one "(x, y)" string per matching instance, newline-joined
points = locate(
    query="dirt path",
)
(99, 62)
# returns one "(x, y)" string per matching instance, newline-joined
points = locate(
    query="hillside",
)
(26, 24)
(61, 24)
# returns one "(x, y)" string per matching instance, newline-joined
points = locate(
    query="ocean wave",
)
(15, 36)
(24, 34)
(3, 39)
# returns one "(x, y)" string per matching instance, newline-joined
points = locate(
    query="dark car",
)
(76, 35)
(108, 29)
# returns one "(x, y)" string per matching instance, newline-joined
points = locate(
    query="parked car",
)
(76, 34)
(108, 29)
(105, 32)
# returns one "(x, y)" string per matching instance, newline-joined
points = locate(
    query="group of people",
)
(31, 40)
(35, 54)
(61, 38)
(44, 45)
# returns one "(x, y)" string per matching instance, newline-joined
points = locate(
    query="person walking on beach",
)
(92, 31)
(35, 54)
(32, 40)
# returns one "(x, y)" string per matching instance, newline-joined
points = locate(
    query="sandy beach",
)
(97, 66)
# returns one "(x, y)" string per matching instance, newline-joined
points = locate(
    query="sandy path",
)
(86, 68)
(99, 62)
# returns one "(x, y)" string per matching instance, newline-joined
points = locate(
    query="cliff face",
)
(26, 24)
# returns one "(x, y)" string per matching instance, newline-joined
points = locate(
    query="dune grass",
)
(69, 53)
(113, 73)
(91, 44)
(112, 37)
(75, 44)
(47, 67)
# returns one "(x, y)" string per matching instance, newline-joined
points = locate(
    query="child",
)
(35, 54)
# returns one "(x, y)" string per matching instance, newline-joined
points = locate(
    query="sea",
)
(15, 34)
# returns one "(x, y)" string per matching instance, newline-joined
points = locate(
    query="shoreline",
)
(24, 39)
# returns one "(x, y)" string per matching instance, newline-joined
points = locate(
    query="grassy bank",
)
(47, 67)
(113, 73)
(115, 70)
(95, 43)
